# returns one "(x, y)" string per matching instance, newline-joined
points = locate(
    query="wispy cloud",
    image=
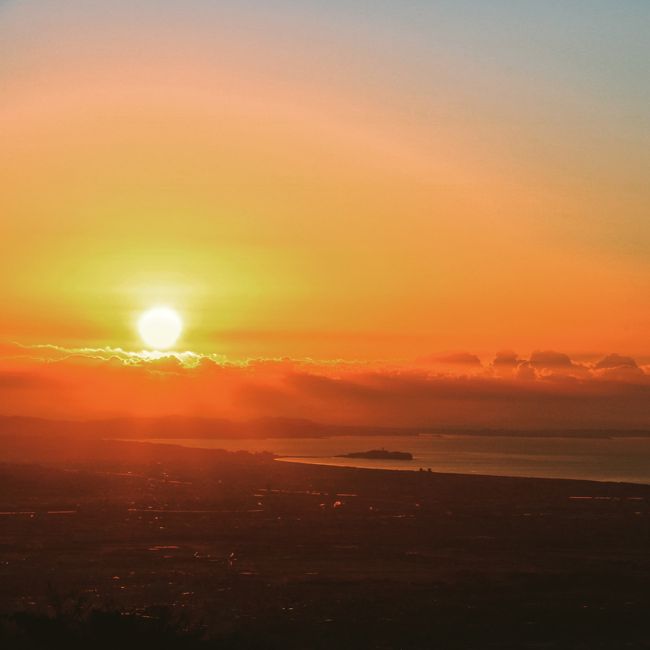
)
(47, 353)
(53, 353)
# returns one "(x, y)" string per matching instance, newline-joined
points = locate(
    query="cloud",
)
(506, 358)
(549, 362)
(616, 361)
(549, 390)
(48, 352)
(549, 359)
(506, 363)
(619, 368)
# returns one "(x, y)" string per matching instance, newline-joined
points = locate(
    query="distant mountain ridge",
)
(188, 427)
(176, 426)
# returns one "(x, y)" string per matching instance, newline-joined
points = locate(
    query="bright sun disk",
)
(160, 327)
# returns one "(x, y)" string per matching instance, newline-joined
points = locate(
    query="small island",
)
(379, 454)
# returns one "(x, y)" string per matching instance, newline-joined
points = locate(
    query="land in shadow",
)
(126, 542)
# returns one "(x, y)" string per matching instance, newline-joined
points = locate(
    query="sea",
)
(617, 458)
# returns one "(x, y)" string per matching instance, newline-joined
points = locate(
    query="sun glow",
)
(160, 327)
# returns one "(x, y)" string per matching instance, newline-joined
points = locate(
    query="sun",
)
(160, 327)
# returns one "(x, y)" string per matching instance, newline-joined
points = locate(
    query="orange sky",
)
(324, 181)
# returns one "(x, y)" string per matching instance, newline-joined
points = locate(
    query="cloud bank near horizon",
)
(547, 389)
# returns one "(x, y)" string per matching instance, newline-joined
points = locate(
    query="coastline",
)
(305, 460)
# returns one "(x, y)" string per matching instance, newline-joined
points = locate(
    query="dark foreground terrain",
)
(105, 544)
